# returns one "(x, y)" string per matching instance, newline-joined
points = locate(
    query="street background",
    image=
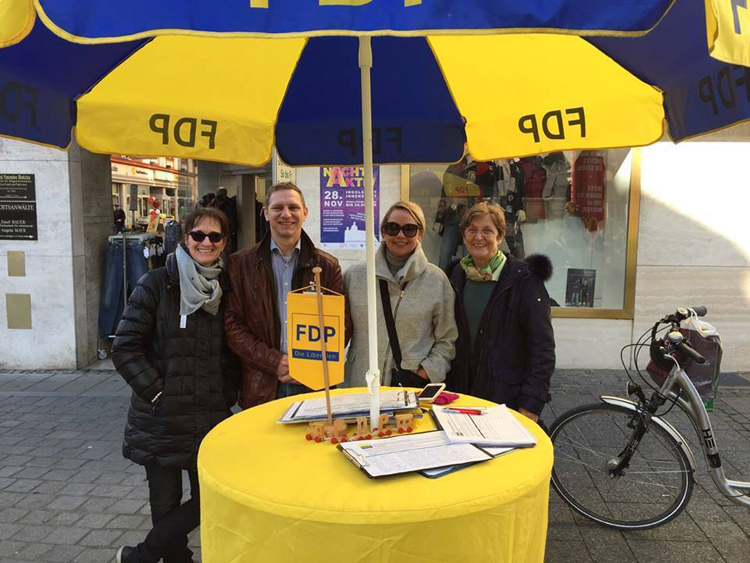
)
(67, 494)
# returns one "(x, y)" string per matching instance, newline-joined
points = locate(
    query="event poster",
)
(342, 206)
(18, 219)
(580, 286)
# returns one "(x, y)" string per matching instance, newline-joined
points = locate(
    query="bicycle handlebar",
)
(688, 351)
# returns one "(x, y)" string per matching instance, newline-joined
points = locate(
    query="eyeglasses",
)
(392, 229)
(486, 233)
(200, 236)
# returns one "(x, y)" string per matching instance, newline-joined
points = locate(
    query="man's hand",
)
(422, 373)
(529, 414)
(282, 370)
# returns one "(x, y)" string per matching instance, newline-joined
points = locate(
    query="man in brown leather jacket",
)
(260, 278)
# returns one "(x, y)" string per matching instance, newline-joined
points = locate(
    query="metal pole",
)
(373, 373)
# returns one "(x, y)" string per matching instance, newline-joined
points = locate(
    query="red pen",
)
(464, 411)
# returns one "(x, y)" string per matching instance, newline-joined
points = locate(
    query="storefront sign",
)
(342, 206)
(282, 172)
(305, 337)
(18, 207)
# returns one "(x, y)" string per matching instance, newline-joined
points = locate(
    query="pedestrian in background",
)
(421, 301)
(506, 346)
(119, 217)
(171, 349)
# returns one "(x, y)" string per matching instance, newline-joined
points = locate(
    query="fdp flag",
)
(305, 338)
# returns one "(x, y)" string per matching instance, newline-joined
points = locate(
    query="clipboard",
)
(411, 453)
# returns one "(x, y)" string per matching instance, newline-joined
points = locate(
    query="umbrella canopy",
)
(234, 97)
(95, 20)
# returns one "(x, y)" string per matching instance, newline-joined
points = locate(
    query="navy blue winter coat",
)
(514, 353)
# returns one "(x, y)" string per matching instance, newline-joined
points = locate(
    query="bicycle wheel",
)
(651, 491)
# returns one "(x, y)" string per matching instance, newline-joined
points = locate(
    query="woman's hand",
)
(529, 414)
(422, 373)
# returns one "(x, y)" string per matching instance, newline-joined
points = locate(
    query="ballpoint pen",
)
(465, 411)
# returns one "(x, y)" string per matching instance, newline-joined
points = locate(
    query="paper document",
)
(495, 426)
(414, 452)
(356, 404)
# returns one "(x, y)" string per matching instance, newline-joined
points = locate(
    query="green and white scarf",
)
(491, 272)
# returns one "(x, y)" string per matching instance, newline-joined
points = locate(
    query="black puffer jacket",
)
(192, 367)
(514, 354)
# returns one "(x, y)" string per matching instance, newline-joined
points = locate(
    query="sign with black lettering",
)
(17, 207)
(17, 187)
(186, 131)
(554, 124)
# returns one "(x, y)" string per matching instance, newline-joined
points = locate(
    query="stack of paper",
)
(349, 406)
(493, 426)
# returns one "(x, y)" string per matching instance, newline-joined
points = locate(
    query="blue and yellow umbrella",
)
(243, 75)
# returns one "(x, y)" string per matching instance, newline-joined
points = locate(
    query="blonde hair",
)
(411, 208)
(495, 212)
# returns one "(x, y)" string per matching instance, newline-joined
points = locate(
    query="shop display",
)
(580, 287)
(589, 190)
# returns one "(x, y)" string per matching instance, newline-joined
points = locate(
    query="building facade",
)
(666, 229)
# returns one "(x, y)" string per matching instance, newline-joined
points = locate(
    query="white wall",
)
(694, 239)
(693, 249)
(51, 342)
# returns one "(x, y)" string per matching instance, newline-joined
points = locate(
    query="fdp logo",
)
(307, 336)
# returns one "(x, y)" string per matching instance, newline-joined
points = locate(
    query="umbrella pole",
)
(373, 373)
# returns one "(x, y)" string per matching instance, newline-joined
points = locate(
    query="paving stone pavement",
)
(67, 494)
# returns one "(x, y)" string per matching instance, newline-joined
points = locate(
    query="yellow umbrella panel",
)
(218, 99)
(212, 99)
(545, 93)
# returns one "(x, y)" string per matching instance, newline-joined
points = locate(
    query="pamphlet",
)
(412, 452)
(486, 426)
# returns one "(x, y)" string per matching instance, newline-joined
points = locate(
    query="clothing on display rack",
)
(589, 189)
(534, 180)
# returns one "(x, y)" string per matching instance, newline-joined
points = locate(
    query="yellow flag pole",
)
(324, 354)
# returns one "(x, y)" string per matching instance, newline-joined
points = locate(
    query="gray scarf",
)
(199, 285)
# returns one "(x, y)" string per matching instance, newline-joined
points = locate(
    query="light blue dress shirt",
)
(283, 272)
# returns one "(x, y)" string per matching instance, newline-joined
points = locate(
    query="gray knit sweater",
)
(424, 319)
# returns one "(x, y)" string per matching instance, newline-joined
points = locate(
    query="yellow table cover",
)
(269, 495)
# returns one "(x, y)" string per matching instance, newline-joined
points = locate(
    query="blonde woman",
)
(421, 300)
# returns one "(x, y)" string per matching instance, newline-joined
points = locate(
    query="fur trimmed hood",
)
(540, 265)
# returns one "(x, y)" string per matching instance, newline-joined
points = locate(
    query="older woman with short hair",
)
(421, 300)
(505, 346)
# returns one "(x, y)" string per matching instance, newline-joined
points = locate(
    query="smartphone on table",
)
(430, 392)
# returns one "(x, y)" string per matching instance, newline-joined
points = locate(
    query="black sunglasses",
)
(200, 236)
(392, 229)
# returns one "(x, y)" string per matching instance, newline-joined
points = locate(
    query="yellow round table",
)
(268, 495)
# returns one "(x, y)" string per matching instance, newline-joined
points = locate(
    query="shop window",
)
(572, 206)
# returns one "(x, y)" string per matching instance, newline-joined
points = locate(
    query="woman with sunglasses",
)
(171, 350)
(421, 301)
(506, 346)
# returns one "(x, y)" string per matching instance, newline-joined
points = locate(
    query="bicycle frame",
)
(690, 402)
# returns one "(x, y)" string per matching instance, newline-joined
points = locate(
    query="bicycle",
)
(620, 463)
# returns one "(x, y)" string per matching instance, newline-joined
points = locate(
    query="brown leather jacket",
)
(252, 319)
